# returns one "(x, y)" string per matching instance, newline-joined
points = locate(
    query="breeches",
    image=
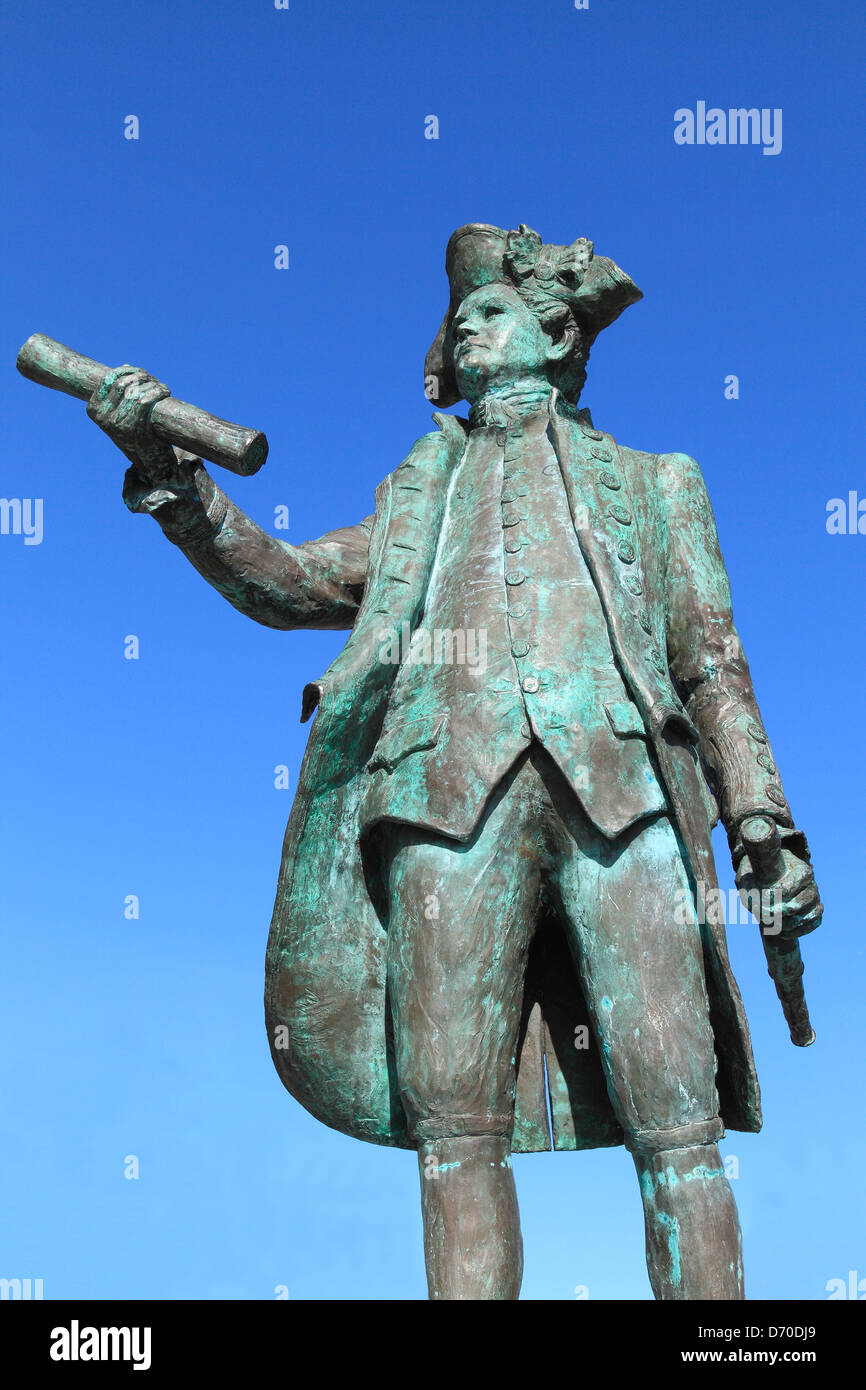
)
(461, 922)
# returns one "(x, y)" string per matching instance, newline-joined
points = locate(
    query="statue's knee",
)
(464, 1154)
(673, 1163)
(648, 1143)
(425, 1129)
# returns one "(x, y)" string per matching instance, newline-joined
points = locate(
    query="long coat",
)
(668, 612)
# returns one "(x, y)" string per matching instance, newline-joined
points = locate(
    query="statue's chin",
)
(471, 382)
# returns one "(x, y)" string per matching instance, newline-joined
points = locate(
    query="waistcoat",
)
(512, 647)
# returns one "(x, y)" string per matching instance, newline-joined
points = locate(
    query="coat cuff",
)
(188, 506)
(749, 782)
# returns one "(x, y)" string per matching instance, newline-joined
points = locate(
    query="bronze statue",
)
(508, 791)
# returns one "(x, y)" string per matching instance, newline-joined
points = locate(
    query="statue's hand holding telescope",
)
(177, 423)
(775, 861)
(121, 406)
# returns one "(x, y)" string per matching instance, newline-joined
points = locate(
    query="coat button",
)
(610, 480)
(525, 731)
(520, 649)
(590, 433)
(620, 514)
(766, 763)
(776, 794)
(626, 552)
(518, 612)
(513, 547)
(757, 732)
(643, 619)
(633, 584)
(603, 455)
(515, 577)
(530, 684)
(511, 519)
(657, 659)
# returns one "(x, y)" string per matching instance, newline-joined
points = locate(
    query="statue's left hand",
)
(795, 890)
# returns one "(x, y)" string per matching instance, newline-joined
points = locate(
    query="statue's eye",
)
(492, 309)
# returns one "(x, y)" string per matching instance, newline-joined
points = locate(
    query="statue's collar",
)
(551, 403)
(580, 414)
(507, 407)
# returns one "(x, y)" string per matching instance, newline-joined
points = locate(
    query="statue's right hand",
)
(121, 406)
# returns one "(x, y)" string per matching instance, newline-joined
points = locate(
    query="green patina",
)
(672, 1227)
(703, 1172)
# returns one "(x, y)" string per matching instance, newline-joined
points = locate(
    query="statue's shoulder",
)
(640, 460)
(449, 437)
(672, 477)
(680, 473)
(669, 471)
(437, 450)
(425, 469)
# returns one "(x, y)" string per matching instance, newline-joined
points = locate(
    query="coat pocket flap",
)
(411, 736)
(624, 718)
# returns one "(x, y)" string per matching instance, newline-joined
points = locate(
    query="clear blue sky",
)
(155, 777)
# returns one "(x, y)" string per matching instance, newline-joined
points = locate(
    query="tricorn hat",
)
(594, 287)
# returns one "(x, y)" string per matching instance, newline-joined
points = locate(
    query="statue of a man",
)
(507, 795)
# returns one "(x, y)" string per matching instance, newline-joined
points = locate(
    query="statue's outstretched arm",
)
(318, 584)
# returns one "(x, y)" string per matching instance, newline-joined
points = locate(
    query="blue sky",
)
(154, 777)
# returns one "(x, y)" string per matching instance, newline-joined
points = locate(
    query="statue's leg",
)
(461, 920)
(693, 1243)
(639, 955)
(473, 1248)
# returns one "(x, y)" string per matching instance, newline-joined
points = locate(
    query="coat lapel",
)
(409, 510)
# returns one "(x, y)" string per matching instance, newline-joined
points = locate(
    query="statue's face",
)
(497, 339)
